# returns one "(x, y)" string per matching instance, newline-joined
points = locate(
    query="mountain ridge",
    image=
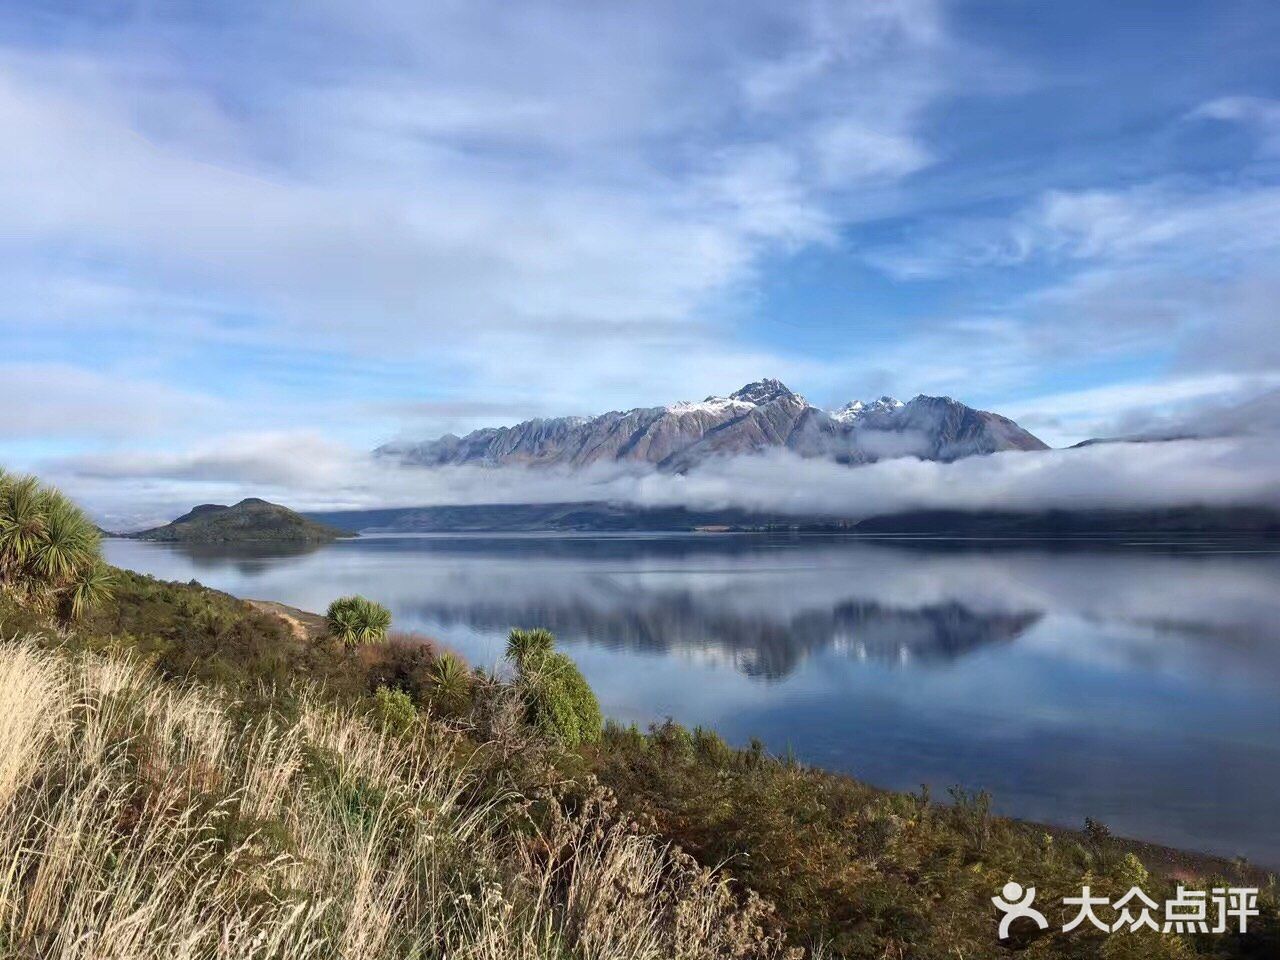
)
(761, 415)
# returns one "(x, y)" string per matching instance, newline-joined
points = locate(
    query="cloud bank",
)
(309, 472)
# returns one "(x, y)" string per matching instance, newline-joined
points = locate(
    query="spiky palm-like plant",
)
(22, 520)
(558, 698)
(356, 621)
(69, 542)
(6, 482)
(524, 644)
(90, 588)
(449, 670)
(49, 551)
(451, 682)
(342, 622)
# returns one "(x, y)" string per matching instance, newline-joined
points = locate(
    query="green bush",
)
(560, 700)
(395, 709)
(50, 555)
(356, 620)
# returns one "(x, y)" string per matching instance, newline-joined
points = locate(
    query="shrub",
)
(395, 709)
(403, 662)
(559, 699)
(973, 816)
(710, 747)
(357, 620)
(50, 555)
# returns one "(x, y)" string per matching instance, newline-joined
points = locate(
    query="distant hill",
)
(603, 517)
(250, 520)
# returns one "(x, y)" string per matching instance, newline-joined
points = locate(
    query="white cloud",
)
(537, 170)
(58, 401)
(565, 208)
(1174, 278)
(1102, 224)
(1259, 113)
(1217, 472)
(850, 152)
(1169, 222)
(1165, 407)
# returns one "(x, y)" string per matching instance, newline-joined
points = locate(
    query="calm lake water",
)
(1137, 683)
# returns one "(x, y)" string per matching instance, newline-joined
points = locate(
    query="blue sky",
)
(229, 224)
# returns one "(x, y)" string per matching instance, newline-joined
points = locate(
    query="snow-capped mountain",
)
(856, 410)
(760, 416)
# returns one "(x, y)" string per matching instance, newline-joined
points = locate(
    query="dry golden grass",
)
(141, 820)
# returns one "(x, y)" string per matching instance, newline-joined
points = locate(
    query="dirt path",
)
(303, 625)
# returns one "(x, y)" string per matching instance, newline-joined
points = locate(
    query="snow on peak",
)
(713, 405)
(752, 395)
(855, 410)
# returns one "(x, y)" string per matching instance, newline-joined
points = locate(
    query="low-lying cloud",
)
(1219, 472)
(310, 473)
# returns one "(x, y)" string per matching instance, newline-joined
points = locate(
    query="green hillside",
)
(251, 519)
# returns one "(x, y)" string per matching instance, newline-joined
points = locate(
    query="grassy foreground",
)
(145, 818)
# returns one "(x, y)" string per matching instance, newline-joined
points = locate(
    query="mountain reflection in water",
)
(767, 648)
(1129, 681)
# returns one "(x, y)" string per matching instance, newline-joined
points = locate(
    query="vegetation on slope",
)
(873, 873)
(144, 819)
(250, 520)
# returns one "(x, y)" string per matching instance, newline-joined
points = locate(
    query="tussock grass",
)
(144, 819)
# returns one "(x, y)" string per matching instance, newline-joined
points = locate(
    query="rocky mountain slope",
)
(761, 416)
(251, 519)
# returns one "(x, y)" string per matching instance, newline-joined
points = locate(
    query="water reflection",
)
(247, 559)
(763, 647)
(1132, 682)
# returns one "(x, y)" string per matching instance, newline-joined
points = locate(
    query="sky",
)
(317, 227)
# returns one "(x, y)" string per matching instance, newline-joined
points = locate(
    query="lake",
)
(1134, 682)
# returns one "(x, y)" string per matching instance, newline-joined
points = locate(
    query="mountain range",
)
(761, 416)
